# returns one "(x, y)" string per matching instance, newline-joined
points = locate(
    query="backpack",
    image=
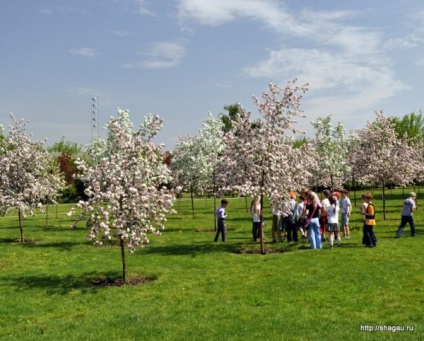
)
(293, 217)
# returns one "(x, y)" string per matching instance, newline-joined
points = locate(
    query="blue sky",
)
(181, 59)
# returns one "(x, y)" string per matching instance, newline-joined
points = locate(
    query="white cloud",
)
(323, 68)
(217, 12)
(85, 51)
(344, 62)
(143, 8)
(161, 55)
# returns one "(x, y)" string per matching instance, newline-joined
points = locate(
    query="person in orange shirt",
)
(369, 238)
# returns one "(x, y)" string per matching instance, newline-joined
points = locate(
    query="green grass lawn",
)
(212, 291)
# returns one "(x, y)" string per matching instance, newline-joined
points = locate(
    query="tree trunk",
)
(20, 226)
(214, 202)
(214, 210)
(262, 226)
(124, 264)
(384, 202)
(192, 201)
(47, 215)
(354, 189)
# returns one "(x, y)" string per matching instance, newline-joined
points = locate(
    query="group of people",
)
(313, 218)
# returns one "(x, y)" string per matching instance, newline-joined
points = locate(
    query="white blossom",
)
(126, 196)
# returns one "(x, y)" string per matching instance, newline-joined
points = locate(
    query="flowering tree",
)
(126, 198)
(211, 146)
(185, 168)
(196, 158)
(28, 175)
(378, 156)
(259, 156)
(332, 150)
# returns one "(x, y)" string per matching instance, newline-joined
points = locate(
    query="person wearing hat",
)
(409, 206)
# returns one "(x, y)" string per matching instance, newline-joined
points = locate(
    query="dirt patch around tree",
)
(132, 280)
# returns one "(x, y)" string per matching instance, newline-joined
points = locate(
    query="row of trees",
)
(268, 154)
(125, 180)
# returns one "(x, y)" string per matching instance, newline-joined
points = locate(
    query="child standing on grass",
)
(323, 217)
(333, 221)
(221, 215)
(346, 208)
(363, 207)
(256, 211)
(369, 238)
(409, 206)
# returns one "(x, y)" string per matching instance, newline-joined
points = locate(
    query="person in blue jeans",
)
(409, 206)
(313, 212)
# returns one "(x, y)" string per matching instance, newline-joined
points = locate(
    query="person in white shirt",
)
(221, 215)
(256, 212)
(409, 206)
(333, 221)
(323, 218)
(346, 208)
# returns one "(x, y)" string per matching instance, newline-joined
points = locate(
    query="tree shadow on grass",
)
(37, 243)
(10, 227)
(194, 249)
(57, 285)
(179, 229)
(54, 228)
(85, 283)
(9, 240)
(64, 246)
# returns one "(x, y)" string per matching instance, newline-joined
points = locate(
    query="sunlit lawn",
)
(211, 291)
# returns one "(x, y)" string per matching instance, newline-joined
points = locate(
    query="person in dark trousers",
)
(290, 218)
(221, 215)
(409, 206)
(369, 238)
(256, 211)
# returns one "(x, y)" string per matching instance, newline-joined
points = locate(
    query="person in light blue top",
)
(221, 215)
(409, 206)
(345, 208)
